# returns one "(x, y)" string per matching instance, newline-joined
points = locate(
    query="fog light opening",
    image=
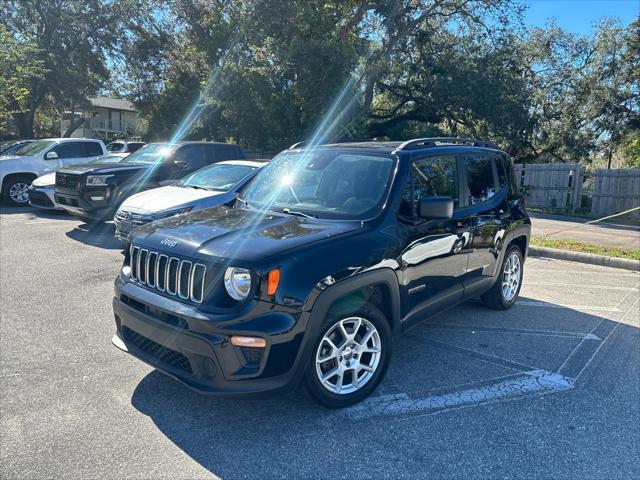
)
(255, 342)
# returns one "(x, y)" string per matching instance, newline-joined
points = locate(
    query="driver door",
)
(434, 252)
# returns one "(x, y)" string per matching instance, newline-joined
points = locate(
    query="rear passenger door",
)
(486, 208)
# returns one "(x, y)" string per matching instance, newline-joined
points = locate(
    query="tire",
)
(502, 297)
(15, 191)
(349, 356)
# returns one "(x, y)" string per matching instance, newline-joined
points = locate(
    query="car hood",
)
(234, 233)
(48, 180)
(164, 198)
(103, 168)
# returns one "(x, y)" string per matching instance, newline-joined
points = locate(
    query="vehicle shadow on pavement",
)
(467, 357)
(101, 235)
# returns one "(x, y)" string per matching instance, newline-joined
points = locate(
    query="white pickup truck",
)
(41, 157)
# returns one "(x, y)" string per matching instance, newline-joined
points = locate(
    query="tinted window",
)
(115, 147)
(92, 149)
(481, 184)
(132, 147)
(194, 155)
(69, 150)
(223, 152)
(429, 177)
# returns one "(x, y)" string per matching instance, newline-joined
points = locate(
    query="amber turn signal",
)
(272, 281)
(255, 342)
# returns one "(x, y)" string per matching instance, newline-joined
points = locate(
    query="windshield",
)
(115, 147)
(323, 183)
(217, 177)
(15, 148)
(35, 147)
(150, 154)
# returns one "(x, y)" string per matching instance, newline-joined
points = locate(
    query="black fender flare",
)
(384, 276)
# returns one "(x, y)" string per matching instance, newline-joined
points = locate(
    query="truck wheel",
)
(505, 291)
(350, 357)
(16, 191)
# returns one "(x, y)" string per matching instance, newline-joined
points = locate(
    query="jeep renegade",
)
(327, 253)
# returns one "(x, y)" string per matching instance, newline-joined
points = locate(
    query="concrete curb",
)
(581, 257)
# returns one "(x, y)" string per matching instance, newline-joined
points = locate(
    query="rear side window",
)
(194, 155)
(224, 152)
(430, 177)
(481, 182)
(92, 149)
(132, 147)
(69, 150)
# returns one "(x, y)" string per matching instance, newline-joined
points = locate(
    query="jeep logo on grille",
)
(168, 243)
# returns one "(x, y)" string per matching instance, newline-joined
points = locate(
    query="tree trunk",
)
(609, 158)
(24, 124)
(73, 126)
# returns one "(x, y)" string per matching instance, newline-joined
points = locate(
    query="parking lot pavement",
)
(548, 389)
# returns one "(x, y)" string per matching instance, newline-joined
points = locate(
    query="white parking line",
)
(528, 383)
(582, 285)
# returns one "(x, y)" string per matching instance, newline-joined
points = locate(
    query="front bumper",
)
(42, 197)
(79, 205)
(195, 348)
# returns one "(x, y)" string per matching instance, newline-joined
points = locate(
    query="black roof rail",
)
(444, 141)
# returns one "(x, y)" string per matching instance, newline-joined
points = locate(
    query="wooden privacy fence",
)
(567, 186)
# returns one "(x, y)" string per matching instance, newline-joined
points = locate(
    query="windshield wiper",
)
(196, 187)
(244, 202)
(295, 212)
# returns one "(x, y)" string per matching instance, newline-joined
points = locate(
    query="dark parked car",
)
(95, 191)
(327, 253)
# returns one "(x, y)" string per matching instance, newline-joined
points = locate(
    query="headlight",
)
(237, 281)
(98, 179)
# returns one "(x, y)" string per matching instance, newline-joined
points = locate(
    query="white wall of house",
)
(103, 123)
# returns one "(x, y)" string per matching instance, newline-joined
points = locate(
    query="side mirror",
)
(435, 208)
(51, 156)
(180, 164)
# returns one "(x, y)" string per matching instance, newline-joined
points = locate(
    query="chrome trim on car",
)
(190, 271)
(192, 282)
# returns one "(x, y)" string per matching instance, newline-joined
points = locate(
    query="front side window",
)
(69, 150)
(220, 177)
(327, 183)
(481, 183)
(35, 148)
(430, 177)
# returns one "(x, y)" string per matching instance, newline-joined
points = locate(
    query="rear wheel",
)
(505, 291)
(16, 191)
(350, 358)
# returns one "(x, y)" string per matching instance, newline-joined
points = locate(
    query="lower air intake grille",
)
(157, 351)
(252, 354)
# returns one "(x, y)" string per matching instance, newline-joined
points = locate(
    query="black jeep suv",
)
(326, 254)
(94, 191)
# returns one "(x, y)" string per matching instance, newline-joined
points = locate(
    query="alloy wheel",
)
(511, 276)
(348, 355)
(19, 192)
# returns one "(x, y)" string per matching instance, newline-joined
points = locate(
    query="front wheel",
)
(16, 191)
(505, 291)
(350, 357)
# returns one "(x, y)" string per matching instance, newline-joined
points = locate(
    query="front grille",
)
(168, 274)
(67, 181)
(159, 352)
(127, 221)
